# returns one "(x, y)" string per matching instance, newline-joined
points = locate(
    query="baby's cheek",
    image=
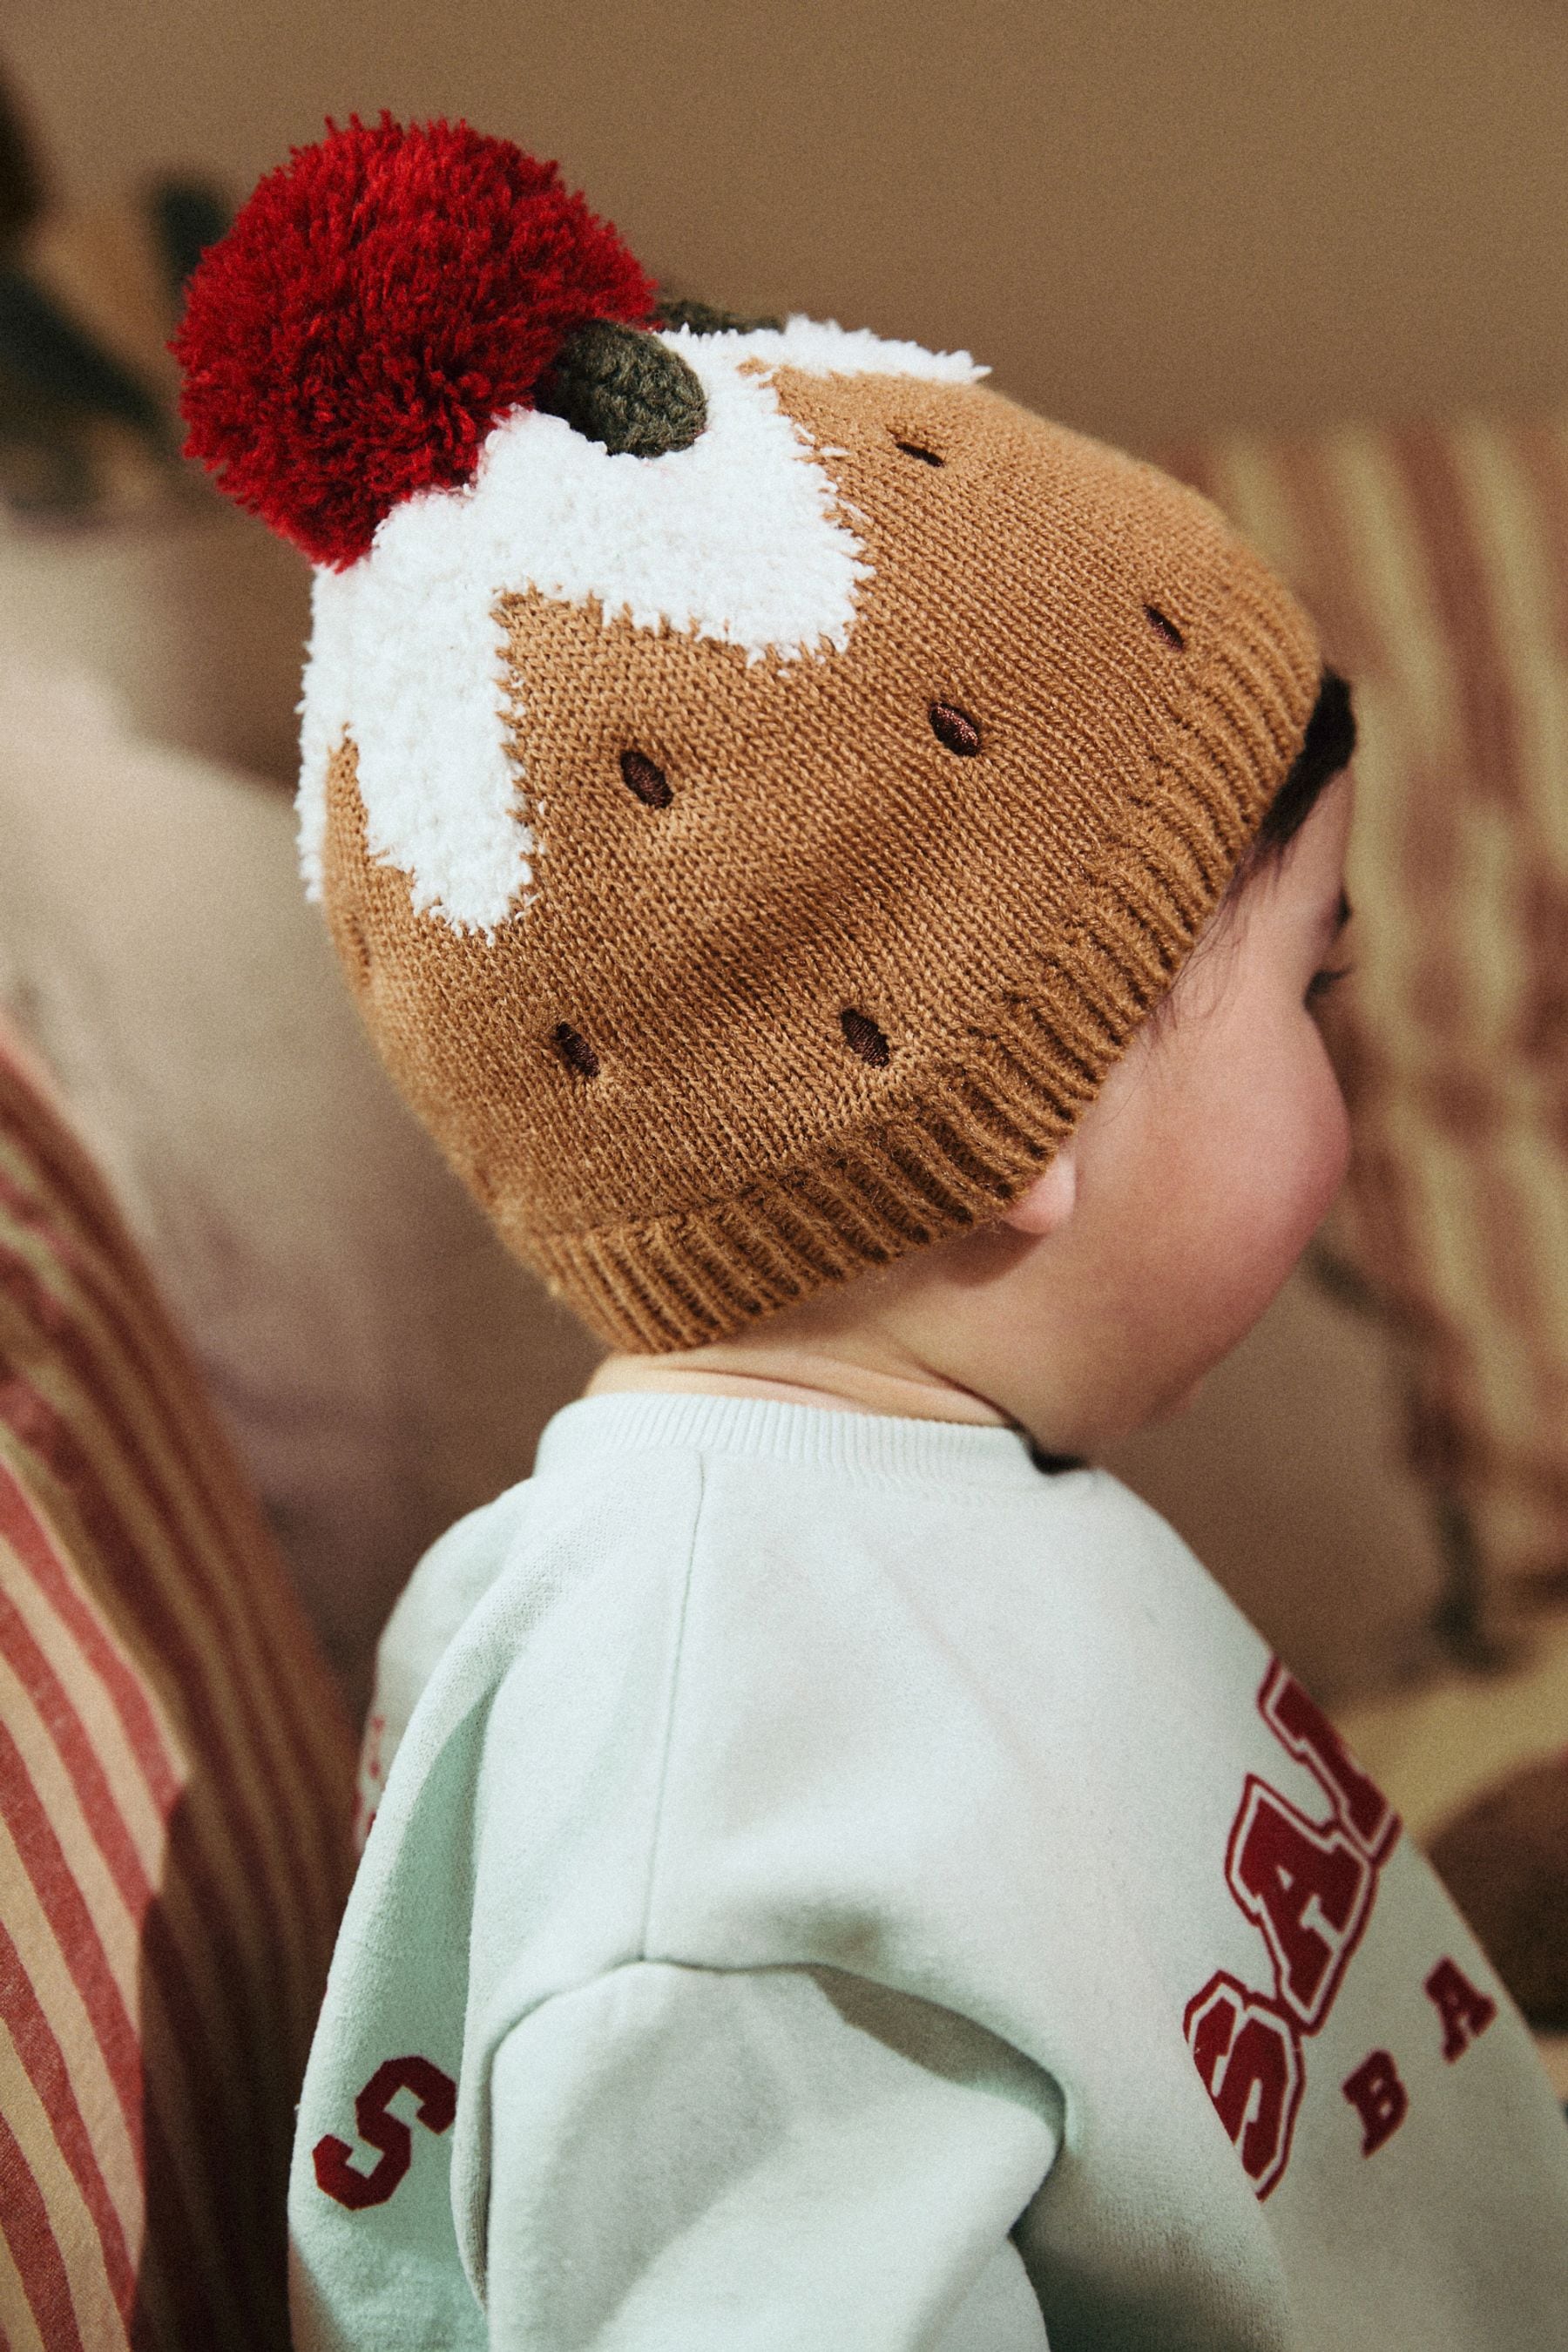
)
(1305, 1167)
(1278, 1182)
(1326, 1146)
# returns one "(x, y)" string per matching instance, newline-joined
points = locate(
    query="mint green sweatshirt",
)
(837, 1886)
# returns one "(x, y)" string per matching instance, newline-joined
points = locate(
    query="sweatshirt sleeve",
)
(687, 2159)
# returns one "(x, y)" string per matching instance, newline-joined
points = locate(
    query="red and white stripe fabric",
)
(1436, 559)
(176, 1795)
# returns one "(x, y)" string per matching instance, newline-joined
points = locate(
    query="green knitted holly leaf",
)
(624, 387)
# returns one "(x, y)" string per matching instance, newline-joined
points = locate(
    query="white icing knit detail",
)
(740, 538)
(822, 347)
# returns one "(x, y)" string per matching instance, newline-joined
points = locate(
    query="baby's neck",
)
(798, 1376)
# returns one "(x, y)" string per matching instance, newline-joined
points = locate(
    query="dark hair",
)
(1326, 749)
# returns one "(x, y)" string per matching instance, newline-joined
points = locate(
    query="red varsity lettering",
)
(1307, 1888)
(379, 2128)
(1464, 2009)
(1250, 2063)
(1310, 1888)
(1301, 1725)
(1379, 2097)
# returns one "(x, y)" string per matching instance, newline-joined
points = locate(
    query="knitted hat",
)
(758, 777)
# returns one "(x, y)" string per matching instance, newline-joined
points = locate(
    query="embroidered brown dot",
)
(955, 728)
(648, 781)
(1165, 625)
(574, 1051)
(359, 950)
(863, 1037)
(914, 449)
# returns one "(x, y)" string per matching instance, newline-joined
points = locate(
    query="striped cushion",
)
(1436, 561)
(175, 1794)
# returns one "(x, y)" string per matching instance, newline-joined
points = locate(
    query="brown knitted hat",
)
(752, 836)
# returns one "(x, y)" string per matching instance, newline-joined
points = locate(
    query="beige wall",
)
(1148, 218)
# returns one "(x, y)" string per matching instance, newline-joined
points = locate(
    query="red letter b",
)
(1379, 2097)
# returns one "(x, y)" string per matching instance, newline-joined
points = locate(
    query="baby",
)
(846, 871)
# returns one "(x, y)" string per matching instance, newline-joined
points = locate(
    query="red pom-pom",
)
(379, 302)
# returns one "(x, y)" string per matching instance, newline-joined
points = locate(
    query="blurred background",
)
(1150, 219)
(1313, 257)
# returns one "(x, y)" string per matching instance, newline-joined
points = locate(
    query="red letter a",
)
(1282, 1867)
(1464, 2009)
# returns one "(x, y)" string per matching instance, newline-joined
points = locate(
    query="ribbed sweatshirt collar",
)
(865, 1445)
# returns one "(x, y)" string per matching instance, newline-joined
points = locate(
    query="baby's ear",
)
(381, 301)
(1049, 1201)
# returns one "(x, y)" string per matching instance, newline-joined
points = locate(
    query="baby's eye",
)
(1321, 982)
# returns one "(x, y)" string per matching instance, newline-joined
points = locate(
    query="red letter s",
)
(378, 2127)
(1250, 2063)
